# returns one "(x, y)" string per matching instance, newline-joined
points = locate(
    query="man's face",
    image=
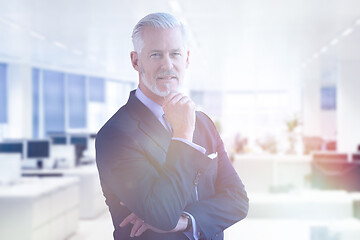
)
(162, 62)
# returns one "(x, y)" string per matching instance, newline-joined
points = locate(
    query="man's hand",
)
(139, 226)
(180, 112)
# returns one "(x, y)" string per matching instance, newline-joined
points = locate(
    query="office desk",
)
(302, 205)
(336, 174)
(39, 209)
(92, 201)
(285, 229)
(263, 173)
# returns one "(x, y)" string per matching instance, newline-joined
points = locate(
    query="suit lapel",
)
(148, 123)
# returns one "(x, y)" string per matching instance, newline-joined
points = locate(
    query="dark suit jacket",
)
(155, 176)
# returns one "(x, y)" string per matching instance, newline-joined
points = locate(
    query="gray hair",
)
(156, 20)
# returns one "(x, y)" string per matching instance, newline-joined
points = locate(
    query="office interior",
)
(280, 79)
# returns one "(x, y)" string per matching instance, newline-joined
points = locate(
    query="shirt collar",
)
(155, 108)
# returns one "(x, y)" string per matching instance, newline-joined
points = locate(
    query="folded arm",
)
(140, 226)
(227, 206)
(157, 197)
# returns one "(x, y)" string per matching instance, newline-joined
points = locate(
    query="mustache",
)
(167, 73)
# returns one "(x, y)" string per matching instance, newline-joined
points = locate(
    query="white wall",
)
(316, 121)
(311, 102)
(19, 101)
(348, 113)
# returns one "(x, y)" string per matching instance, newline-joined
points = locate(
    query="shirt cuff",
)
(195, 234)
(197, 147)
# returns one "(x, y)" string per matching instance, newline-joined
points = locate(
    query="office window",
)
(128, 87)
(3, 93)
(96, 89)
(114, 96)
(117, 94)
(76, 96)
(36, 102)
(256, 114)
(53, 101)
(197, 97)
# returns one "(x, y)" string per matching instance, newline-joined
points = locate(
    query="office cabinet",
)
(39, 209)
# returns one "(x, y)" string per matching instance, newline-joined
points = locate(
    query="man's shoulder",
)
(204, 119)
(205, 123)
(202, 116)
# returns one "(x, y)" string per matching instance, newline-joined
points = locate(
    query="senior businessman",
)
(162, 164)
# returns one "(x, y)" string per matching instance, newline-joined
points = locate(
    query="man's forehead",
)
(153, 50)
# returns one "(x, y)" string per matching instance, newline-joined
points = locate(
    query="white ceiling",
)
(237, 44)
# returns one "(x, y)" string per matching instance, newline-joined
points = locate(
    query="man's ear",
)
(187, 58)
(135, 60)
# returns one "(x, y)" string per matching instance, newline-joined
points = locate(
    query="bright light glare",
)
(347, 32)
(37, 35)
(59, 44)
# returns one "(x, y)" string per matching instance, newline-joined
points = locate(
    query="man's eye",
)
(155, 55)
(177, 54)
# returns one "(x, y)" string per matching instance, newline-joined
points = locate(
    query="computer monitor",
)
(80, 142)
(38, 150)
(12, 147)
(59, 140)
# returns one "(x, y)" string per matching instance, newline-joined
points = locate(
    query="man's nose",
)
(167, 63)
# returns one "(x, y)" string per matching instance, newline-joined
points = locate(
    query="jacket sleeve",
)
(157, 197)
(228, 205)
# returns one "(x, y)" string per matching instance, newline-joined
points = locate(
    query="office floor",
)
(95, 229)
(249, 229)
(101, 228)
(339, 225)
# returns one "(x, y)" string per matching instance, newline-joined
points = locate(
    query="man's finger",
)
(128, 219)
(136, 227)
(142, 229)
(170, 97)
(184, 100)
(177, 98)
(173, 101)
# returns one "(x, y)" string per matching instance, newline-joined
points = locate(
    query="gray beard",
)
(154, 88)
